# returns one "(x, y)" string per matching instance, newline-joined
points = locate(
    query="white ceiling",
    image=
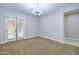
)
(28, 7)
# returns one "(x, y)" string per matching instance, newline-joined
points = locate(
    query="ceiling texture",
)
(29, 7)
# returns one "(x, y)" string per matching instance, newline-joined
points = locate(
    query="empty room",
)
(39, 28)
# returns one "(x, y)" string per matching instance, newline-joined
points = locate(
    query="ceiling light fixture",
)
(37, 11)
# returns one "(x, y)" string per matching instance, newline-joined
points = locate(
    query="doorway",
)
(72, 28)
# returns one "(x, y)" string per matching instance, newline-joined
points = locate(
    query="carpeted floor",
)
(37, 46)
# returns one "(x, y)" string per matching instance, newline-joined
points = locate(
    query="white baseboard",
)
(19, 39)
(3, 42)
(30, 37)
(70, 38)
(37, 36)
(52, 39)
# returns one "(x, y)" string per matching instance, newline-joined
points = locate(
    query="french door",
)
(15, 28)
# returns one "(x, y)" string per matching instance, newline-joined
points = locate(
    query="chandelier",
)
(37, 11)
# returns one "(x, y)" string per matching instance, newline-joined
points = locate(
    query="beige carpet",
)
(37, 46)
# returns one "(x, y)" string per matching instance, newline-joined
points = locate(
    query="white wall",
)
(30, 23)
(49, 26)
(72, 25)
(52, 25)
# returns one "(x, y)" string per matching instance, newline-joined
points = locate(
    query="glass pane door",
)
(20, 27)
(11, 24)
